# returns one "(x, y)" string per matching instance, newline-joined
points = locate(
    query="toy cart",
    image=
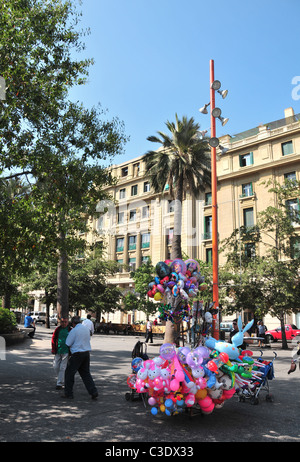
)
(139, 351)
(262, 373)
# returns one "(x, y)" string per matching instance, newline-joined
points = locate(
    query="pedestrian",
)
(79, 342)
(29, 322)
(149, 334)
(261, 332)
(60, 351)
(88, 323)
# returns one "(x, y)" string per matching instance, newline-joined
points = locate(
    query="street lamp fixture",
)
(213, 142)
(203, 109)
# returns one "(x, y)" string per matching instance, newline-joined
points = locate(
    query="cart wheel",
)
(254, 400)
(128, 396)
(270, 398)
(242, 399)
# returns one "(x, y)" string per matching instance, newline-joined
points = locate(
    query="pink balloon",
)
(174, 385)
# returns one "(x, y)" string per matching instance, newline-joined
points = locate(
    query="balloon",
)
(192, 265)
(174, 385)
(178, 266)
(158, 296)
(131, 380)
(154, 411)
(152, 401)
(162, 269)
(182, 353)
(136, 364)
(167, 351)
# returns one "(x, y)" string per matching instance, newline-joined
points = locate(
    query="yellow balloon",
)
(162, 407)
(157, 296)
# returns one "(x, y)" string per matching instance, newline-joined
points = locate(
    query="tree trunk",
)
(172, 332)
(62, 282)
(283, 335)
(176, 243)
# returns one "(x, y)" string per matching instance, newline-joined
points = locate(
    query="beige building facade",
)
(137, 224)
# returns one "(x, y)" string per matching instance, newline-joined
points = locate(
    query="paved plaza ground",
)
(31, 410)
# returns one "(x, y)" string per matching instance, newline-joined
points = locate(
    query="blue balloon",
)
(168, 402)
(154, 411)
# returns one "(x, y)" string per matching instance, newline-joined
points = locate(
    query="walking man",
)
(61, 351)
(149, 335)
(79, 343)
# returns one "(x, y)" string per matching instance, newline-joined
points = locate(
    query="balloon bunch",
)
(176, 380)
(178, 314)
(176, 283)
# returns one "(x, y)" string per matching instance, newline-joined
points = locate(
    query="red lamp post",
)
(214, 142)
(215, 258)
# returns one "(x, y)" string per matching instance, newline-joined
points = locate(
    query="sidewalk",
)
(31, 410)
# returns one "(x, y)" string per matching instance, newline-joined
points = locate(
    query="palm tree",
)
(183, 163)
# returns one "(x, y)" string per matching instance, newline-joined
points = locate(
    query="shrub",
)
(8, 322)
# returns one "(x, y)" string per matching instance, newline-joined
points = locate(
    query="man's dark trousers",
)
(79, 362)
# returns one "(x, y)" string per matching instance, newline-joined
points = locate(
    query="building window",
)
(246, 159)
(124, 171)
(134, 190)
(208, 198)
(136, 169)
(250, 250)
(208, 256)
(170, 234)
(248, 217)
(121, 217)
(145, 240)
(293, 208)
(132, 242)
(171, 206)
(120, 244)
(146, 187)
(120, 263)
(145, 258)
(287, 148)
(207, 227)
(145, 211)
(122, 193)
(291, 176)
(132, 264)
(247, 190)
(295, 247)
(132, 215)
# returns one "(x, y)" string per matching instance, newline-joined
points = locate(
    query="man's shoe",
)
(58, 387)
(95, 395)
(67, 397)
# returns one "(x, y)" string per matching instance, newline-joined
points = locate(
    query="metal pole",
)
(214, 206)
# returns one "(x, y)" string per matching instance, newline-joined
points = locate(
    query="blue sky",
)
(152, 61)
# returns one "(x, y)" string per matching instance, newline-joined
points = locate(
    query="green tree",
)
(183, 163)
(59, 147)
(269, 283)
(39, 41)
(139, 300)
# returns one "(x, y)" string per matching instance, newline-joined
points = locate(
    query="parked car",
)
(225, 326)
(274, 335)
(39, 316)
(53, 319)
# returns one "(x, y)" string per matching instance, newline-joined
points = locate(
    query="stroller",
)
(262, 373)
(138, 354)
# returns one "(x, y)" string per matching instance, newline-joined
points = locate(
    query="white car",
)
(53, 319)
(39, 316)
